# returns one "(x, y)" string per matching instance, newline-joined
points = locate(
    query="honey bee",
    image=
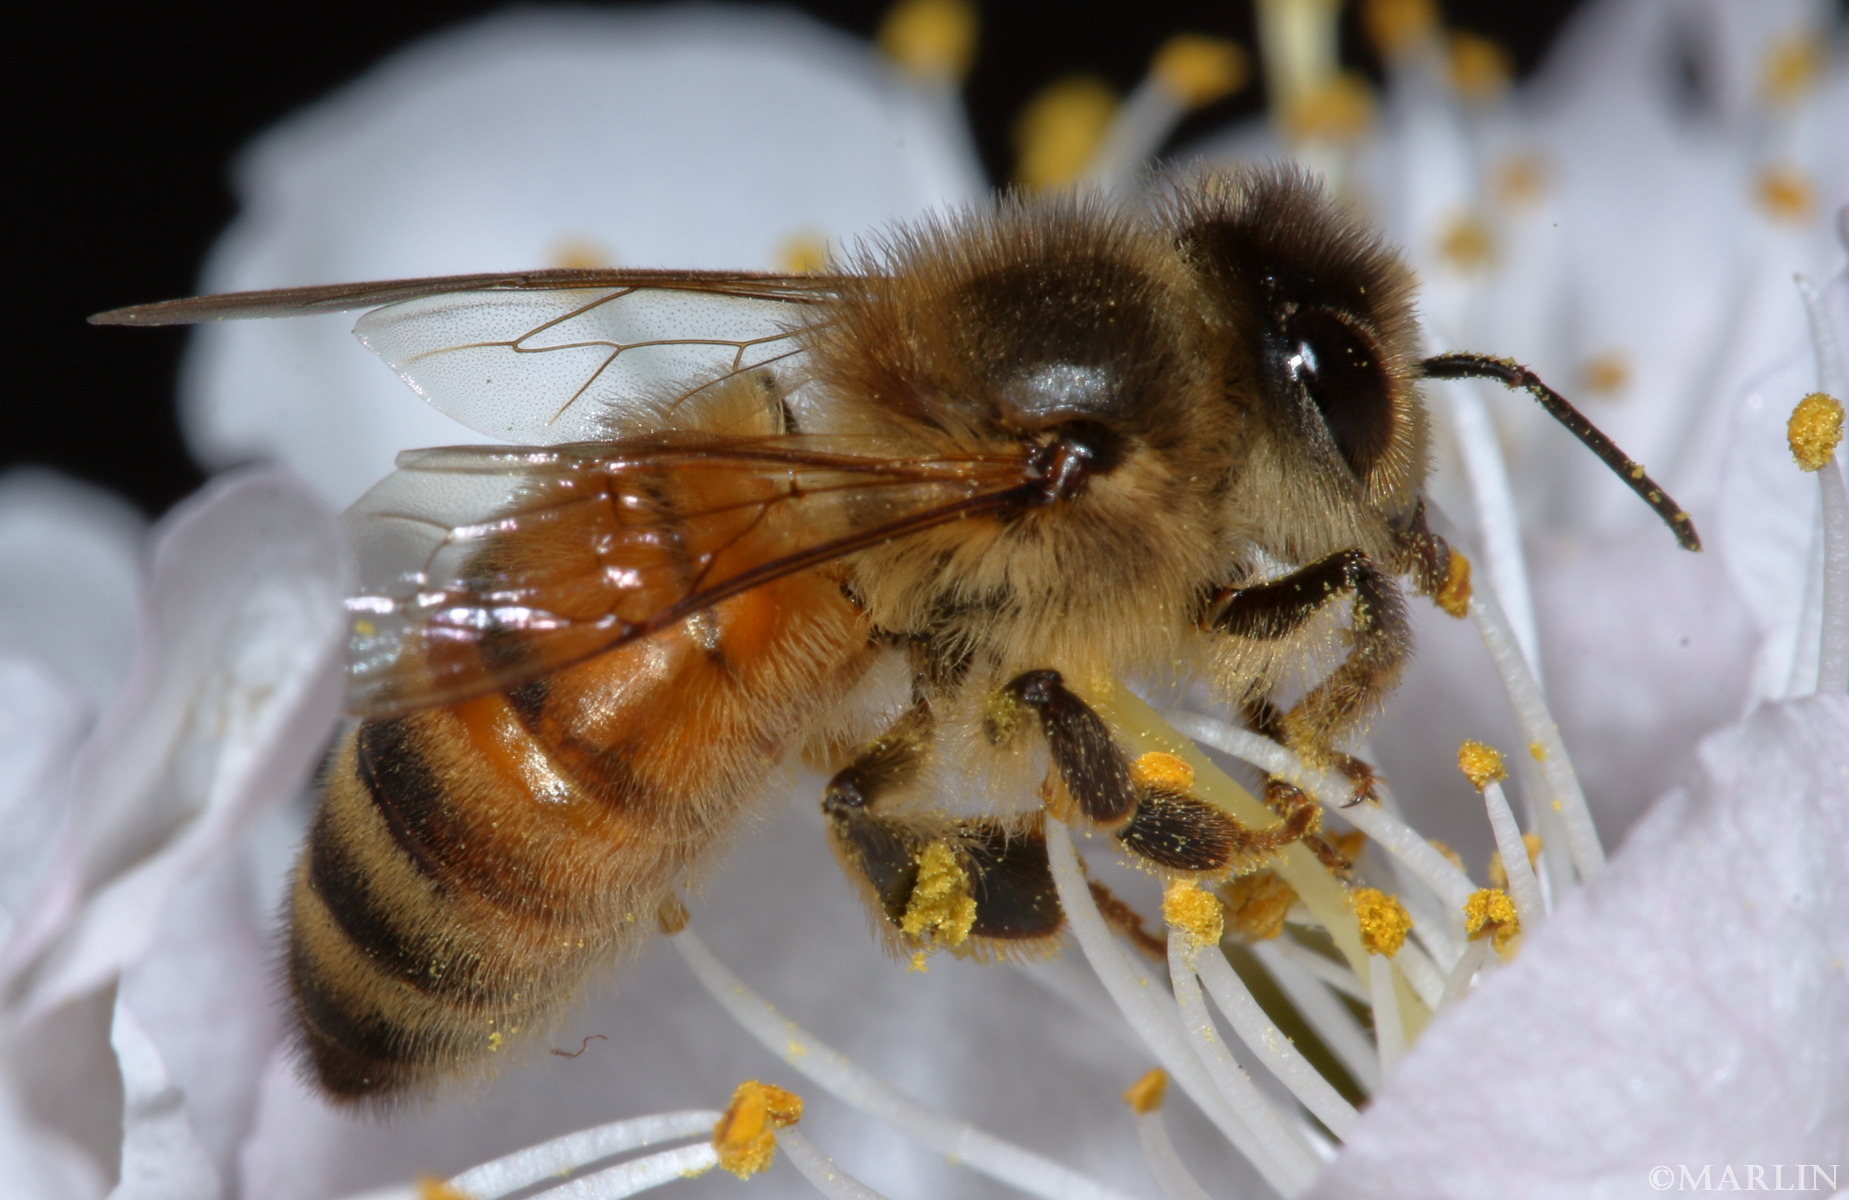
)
(1006, 455)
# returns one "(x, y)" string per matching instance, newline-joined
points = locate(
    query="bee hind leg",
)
(978, 887)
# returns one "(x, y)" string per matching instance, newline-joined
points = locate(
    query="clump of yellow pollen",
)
(1815, 430)
(1453, 598)
(941, 906)
(745, 1136)
(1145, 1095)
(432, 1188)
(1162, 772)
(1481, 764)
(1197, 70)
(1258, 904)
(1490, 913)
(930, 39)
(1197, 913)
(1396, 26)
(1384, 921)
(1059, 131)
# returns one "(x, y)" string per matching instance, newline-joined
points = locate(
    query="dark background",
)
(126, 116)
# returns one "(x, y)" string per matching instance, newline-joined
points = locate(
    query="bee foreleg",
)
(1436, 570)
(1381, 640)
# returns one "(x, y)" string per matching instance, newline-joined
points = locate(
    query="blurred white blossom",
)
(1609, 223)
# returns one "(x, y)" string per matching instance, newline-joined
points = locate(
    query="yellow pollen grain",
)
(1606, 374)
(1162, 772)
(1383, 919)
(1340, 109)
(802, 253)
(1453, 598)
(1145, 1095)
(1815, 430)
(1519, 180)
(744, 1137)
(1480, 68)
(494, 1041)
(1195, 912)
(930, 39)
(919, 963)
(1537, 751)
(1481, 764)
(1451, 856)
(1467, 242)
(1490, 913)
(941, 905)
(1785, 193)
(1195, 70)
(429, 1187)
(1258, 903)
(1396, 26)
(1790, 69)
(1058, 132)
(580, 253)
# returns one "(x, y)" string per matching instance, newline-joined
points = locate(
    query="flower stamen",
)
(1145, 1100)
(859, 1088)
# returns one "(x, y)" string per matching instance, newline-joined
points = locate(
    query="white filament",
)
(1389, 1032)
(1833, 653)
(1234, 1084)
(1266, 1040)
(1538, 727)
(1465, 970)
(1171, 1175)
(1497, 522)
(821, 1170)
(1137, 130)
(1394, 835)
(562, 1155)
(1328, 1016)
(853, 1084)
(1145, 1004)
(639, 1174)
(1524, 888)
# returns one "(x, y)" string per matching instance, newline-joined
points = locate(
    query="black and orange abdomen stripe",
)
(470, 865)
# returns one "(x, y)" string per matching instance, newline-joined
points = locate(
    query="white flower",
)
(135, 765)
(1701, 968)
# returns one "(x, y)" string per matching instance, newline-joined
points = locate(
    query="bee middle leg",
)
(1158, 823)
(1382, 639)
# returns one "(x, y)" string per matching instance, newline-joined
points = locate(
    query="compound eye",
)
(1337, 365)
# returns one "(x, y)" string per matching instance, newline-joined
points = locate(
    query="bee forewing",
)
(557, 366)
(483, 568)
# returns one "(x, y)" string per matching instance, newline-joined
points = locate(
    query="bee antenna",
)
(1514, 376)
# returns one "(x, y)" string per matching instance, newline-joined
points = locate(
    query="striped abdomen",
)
(471, 864)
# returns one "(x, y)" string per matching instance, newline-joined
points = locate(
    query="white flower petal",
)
(42, 722)
(204, 995)
(1688, 1007)
(67, 597)
(691, 138)
(40, 1162)
(161, 1155)
(231, 699)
